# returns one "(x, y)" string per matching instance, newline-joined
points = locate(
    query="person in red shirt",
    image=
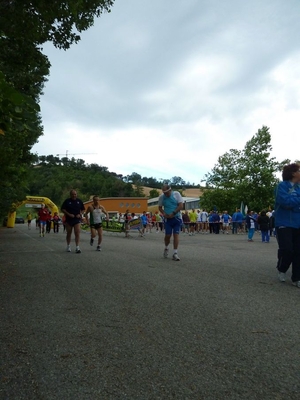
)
(56, 220)
(43, 218)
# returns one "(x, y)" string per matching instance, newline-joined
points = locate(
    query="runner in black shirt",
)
(73, 209)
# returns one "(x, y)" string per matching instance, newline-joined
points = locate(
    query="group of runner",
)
(45, 220)
(73, 209)
(170, 205)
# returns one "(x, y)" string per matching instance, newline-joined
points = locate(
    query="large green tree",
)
(20, 127)
(40, 21)
(247, 176)
(24, 27)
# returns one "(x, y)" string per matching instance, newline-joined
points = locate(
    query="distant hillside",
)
(194, 192)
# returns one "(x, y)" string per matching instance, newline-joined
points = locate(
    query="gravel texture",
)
(125, 323)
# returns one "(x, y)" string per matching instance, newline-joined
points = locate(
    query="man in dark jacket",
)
(264, 225)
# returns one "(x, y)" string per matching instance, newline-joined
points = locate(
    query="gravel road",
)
(125, 323)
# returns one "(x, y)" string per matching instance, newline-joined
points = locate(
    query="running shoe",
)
(281, 276)
(175, 257)
(297, 283)
(78, 251)
(91, 241)
(69, 249)
(166, 253)
(98, 248)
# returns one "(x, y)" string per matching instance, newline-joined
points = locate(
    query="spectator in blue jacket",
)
(237, 222)
(211, 222)
(216, 222)
(287, 223)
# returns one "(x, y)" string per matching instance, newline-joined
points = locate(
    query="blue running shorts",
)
(173, 225)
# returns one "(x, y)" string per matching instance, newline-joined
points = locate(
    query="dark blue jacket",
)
(237, 217)
(287, 205)
(215, 217)
(248, 220)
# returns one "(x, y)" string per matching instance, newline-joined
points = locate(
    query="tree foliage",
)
(59, 22)
(177, 181)
(153, 193)
(20, 127)
(24, 27)
(247, 175)
(54, 178)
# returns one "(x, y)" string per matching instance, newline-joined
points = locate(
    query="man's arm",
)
(161, 210)
(160, 205)
(64, 210)
(88, 210)
(105, 212)
(178, 208)
(82, 207)
(67, 214)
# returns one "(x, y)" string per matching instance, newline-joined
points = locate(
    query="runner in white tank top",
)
(94, 214)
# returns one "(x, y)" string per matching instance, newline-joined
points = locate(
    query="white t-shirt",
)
(204, 216)
(97, 216)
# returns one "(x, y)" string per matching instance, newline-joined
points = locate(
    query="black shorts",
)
(96, 226)
(73, 221)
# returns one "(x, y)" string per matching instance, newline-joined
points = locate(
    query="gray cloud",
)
(188, 70)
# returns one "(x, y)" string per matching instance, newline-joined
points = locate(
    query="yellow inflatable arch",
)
(29, 200)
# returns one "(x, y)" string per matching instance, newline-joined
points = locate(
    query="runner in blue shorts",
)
(170, 203)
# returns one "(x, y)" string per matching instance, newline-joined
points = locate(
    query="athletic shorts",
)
(173, 225)
(73, 221)
(225, 223)
(96, 226)
(43, 222)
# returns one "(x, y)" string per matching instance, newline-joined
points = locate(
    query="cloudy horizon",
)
(165, 88)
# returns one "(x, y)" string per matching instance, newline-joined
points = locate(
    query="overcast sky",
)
(164, 87)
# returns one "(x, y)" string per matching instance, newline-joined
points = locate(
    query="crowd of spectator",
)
(212, 222)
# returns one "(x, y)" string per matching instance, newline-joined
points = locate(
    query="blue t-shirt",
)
(144, 219)
(170, 203)
(226, 218)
